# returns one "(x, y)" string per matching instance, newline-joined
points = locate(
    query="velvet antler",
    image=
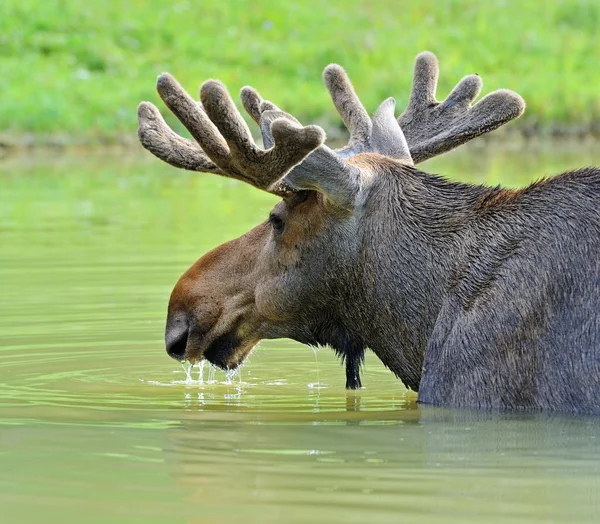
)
(427, 127)
(324, 170)
(294, 156)
(432, 128)
(382, 134)
(224, 143)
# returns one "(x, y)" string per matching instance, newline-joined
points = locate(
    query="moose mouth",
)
(226, 351)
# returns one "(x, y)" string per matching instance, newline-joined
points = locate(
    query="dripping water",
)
(316, 385)
(211, 374)
(230, 374)
(201, 372)
(188, 372)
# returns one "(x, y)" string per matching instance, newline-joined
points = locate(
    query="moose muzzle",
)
(176, 337)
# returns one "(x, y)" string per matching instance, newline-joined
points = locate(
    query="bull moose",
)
(473, 296)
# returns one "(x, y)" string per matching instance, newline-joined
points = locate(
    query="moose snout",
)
(176, 337)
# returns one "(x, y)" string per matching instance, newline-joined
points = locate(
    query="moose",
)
(473, 296)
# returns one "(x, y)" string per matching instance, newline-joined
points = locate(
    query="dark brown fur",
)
(474, 296)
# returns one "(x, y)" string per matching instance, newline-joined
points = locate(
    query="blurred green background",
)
(74, 71)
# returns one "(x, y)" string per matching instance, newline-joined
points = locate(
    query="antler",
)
(382, 134)
(432, 128)
(324, 170)
(427, 128)
(294, 157)
(223, 144)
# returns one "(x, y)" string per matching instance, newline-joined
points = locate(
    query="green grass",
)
(78, 69)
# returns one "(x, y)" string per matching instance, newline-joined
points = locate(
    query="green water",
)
(97, 424)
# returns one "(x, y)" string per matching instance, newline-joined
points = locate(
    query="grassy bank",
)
(76, 70)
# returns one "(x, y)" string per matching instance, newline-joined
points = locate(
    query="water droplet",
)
(188, 372)
(211, 374)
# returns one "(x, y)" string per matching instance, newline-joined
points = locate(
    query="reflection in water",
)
(426, 465)
(97, 423)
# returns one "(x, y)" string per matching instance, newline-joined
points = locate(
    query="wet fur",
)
(483, 297)
(471, 295)
(347, 346)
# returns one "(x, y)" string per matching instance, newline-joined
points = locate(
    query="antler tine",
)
(224, 143)
(432, 128)
(380, 135)
(263, 112)
(291, 142)
(254, 104)
(425, 79)
(348, 106)
(251, 101)
(158, 138)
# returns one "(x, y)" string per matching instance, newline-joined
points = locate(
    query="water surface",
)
(97, 424)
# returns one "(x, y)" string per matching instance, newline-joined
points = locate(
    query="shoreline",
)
(517, 136)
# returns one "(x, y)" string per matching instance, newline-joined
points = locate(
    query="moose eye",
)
(277, 223)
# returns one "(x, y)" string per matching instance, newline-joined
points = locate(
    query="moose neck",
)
(416, 226)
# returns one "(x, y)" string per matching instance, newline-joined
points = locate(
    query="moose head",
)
(352, 255)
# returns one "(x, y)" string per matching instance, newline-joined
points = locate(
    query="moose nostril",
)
(176, 341)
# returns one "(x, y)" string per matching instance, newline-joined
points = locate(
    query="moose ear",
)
(326, 172)
(323, 170)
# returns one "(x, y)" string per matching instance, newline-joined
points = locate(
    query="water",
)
(97, 424)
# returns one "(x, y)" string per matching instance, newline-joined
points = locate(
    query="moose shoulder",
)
(473, 296)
